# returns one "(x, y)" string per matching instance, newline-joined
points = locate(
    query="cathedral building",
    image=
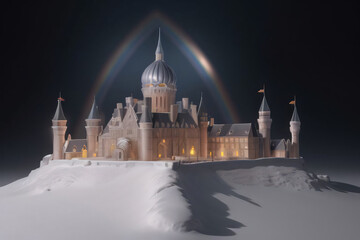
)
(158, 127)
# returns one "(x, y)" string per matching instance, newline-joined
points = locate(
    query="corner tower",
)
(93, 127)
(146, 132)
(295, 130)
(203, 125)
(59, 128)
(264, 122)
(159, 82)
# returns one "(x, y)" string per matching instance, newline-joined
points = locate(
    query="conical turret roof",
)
(59, 114)
(94, 112)
(295, 115)
(264, 106)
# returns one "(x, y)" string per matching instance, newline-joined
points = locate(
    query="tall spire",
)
(159, 53)
(295, 115)
(202, 106)
(59, 114)
(264, 107)
(94, 113)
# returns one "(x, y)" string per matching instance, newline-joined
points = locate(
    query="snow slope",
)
(265, 199)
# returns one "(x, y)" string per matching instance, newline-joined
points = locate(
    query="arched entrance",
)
(122, 149)
(162, 150)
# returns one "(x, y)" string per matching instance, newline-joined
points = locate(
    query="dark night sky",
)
(303, 48)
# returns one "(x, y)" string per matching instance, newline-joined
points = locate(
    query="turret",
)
(295, 130)
(145, 148)
(59, 128)
(203, 125)
(264, 122)
(93, 128)
(159, 82)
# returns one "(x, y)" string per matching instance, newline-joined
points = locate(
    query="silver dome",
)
(158, 72)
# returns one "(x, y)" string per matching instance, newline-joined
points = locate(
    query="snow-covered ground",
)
(270, 199)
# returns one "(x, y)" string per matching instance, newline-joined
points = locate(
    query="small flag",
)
(261, 91)
(292, 102)
(61, 99)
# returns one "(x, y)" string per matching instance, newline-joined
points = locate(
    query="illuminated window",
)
(210, 154)
(84, 152)
(222, 154)
(74, 148)
(163, 141)
(192, 151)
(183, 151)
(159, 155)
(237, 153)
(94, 154)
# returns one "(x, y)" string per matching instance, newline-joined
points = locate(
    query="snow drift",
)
(266, 198)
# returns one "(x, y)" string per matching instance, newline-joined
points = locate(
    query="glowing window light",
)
(237, 153)
(84, 152)
(222, 154)
(163, 141)
(159, 155)
(112, 148)
(183, 151)
(192, 151)
(210, 154)
(94, 154)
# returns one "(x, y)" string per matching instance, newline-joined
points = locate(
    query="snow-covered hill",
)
(264, 199)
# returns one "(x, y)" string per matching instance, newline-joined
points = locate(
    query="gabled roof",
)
(278, 144)
(236, 129)
(183, 120)
(59, 114)
(77, 143)
(295, 116)
(161, 120)
(264, 105)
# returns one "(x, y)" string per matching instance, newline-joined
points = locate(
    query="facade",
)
(158, 127)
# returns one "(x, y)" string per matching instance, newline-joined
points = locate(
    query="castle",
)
(159, 128)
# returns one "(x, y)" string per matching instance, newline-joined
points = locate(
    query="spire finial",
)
(59, 114)
(159, 53)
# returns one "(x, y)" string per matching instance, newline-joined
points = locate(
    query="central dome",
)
(158, 73)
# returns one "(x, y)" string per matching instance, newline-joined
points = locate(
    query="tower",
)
(93, 128)
(59, 128)
(159, 82)
(295, 130)
(264, 122)
(146, 133)
(203, 125)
